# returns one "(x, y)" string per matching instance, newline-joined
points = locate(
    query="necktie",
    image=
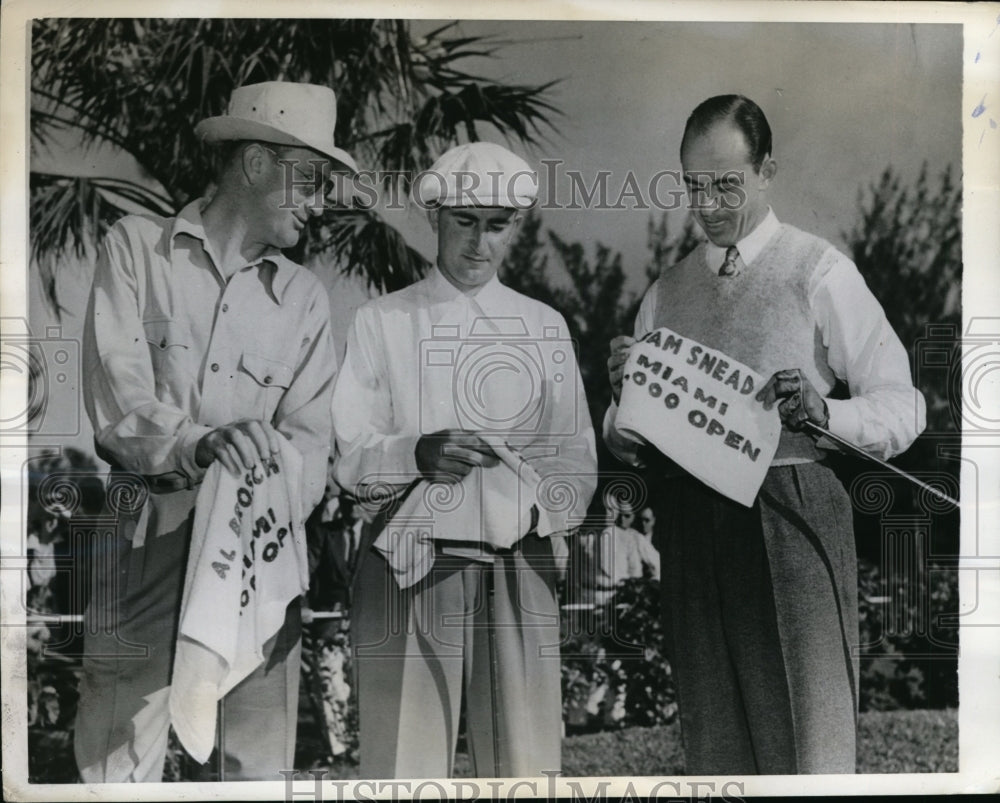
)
(352, 546)
(729, 267)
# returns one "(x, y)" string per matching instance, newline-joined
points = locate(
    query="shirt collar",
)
(280, 268)
(490, 299)
(750, 246)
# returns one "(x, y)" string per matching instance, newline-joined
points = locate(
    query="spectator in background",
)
(333, 532)
(647, 521)
(624, 513)
(334, 540)
(60, 486)
(41, 546)
(642, 560)
(613, 553)
(647, 526)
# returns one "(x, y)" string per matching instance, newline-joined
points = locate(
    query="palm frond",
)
(143, 84)
(68, 216)
(410, 146)
(357, 239)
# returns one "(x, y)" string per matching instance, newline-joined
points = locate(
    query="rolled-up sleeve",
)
(132, 427)
(885, 412)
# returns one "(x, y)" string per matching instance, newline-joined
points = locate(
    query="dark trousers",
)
(760, 609)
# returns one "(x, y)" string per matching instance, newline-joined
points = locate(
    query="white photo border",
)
(979, 575)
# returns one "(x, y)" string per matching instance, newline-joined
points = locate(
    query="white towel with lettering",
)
(247, 562)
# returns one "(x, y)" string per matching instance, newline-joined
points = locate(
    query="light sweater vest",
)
(760, 317)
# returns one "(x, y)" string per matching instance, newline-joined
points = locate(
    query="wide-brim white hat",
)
(281, 112)
(477, 174)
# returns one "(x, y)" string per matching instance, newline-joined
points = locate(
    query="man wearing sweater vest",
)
(760, 603)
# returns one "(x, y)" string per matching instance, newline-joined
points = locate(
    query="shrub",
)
(911, 662)
(616, 670)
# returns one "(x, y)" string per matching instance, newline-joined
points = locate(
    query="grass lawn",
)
(888, 741)
(908, 741)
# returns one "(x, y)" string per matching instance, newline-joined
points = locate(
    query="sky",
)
(844, 102)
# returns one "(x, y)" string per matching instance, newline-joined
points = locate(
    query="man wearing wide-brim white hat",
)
(204, 343)
(460, 406)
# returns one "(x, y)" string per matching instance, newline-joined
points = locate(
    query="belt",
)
(169, 482)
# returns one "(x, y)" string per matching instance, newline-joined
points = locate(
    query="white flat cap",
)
(282, 112)
(477, 174)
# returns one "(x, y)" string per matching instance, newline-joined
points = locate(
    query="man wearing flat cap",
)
(204, 343)
(460, 408)
(760, 602)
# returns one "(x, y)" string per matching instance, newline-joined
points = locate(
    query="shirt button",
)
(267, 380)
(215, 366)
(163, 343)
(225, 308)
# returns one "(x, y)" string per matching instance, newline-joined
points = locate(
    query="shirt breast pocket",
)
(263, 378)
(169, 342)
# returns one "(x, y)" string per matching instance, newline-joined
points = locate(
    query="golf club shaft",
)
(857, 451)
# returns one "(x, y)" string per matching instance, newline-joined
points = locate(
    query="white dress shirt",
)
(430, 357)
